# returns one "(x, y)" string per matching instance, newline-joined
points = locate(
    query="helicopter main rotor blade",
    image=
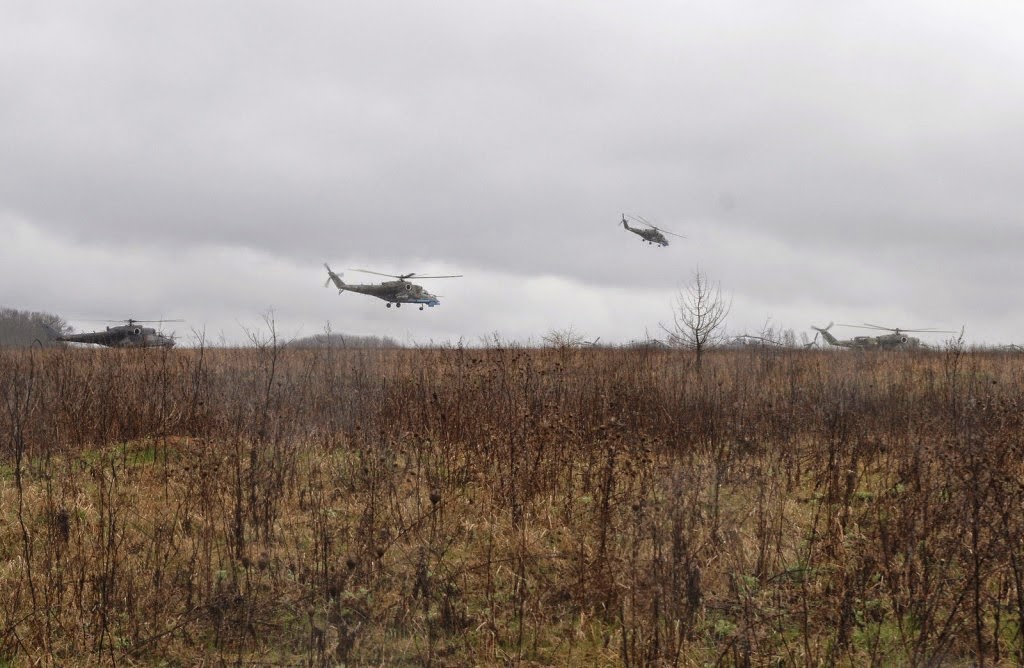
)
(924, 330)
(375, 273)
(867, 326)
(644, 221)
(403, 277)
(636, 219)
(134, 320)
(655, 227)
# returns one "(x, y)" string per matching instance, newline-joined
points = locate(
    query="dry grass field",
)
(504, 506)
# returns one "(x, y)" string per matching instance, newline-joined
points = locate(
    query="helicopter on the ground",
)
(128, 335)
(652, 234)
(896, 338)
(752, 341)
(396, 292)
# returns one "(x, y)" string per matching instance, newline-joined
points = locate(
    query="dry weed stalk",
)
(500, 504)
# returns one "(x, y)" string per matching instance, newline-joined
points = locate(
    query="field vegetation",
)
(508, 506)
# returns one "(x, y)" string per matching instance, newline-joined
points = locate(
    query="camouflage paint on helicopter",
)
(128, 335)
(652, 234)
(896, 338)
(395, 292)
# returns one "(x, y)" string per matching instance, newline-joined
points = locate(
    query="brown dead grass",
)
(533, 507)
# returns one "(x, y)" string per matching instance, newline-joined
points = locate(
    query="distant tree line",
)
(23, 328)
(334, 340)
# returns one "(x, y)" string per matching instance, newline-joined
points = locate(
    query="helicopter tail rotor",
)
(335, 278)
(831, 340)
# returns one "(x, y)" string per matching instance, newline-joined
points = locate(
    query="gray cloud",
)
(860, 159)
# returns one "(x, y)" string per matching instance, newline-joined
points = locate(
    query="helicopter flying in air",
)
(397, 292)
(651, 233)
(128, 335)
(896, 338)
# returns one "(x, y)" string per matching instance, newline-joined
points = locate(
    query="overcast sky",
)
(826, 161)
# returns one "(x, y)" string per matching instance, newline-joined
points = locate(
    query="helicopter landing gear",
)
(421, 308)
(398, 304)
(388, 304)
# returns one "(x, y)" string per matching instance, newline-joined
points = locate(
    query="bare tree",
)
(564, 338)
(698, 315)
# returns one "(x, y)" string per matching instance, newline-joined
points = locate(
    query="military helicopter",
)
(751, 341)
(652, 234)
(896, 338)
(396, 292)
(128, 335)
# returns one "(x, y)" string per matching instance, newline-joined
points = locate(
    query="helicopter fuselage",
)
(122, 336)
(882, 342)
(651, 236)
(894, 341)
(396, 292)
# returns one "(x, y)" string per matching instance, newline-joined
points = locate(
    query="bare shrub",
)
(327, 505)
